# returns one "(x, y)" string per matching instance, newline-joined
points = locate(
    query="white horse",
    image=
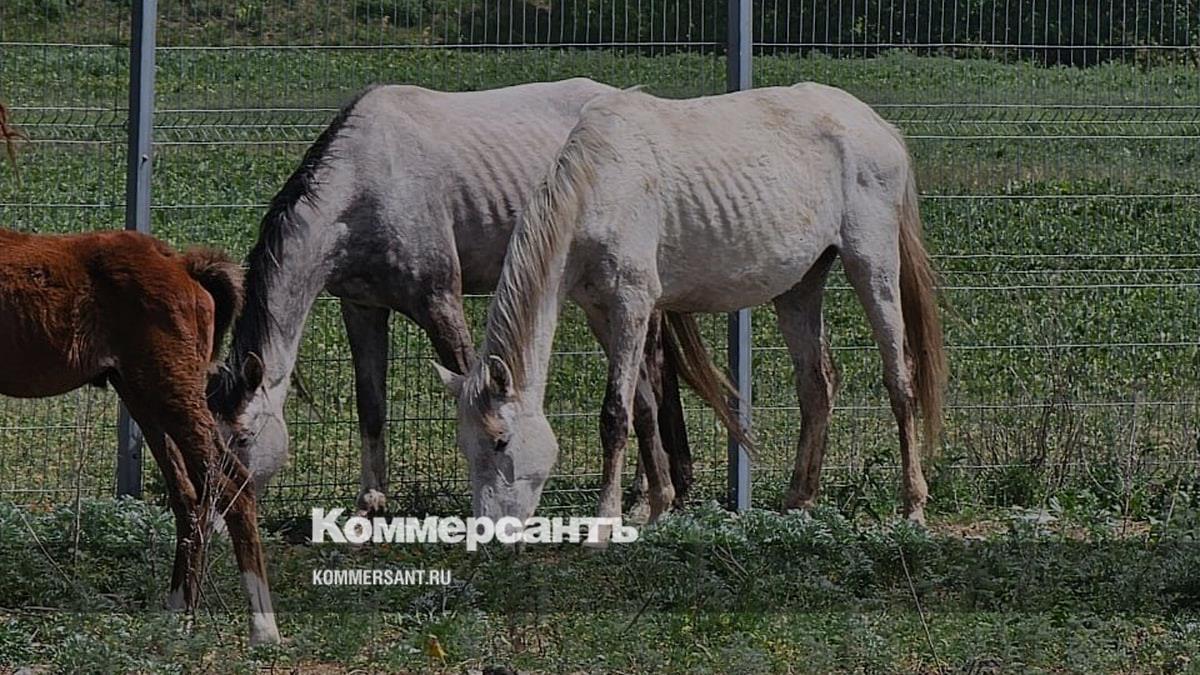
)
(706, 205)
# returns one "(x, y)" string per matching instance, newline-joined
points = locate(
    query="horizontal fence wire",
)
(1055, 145)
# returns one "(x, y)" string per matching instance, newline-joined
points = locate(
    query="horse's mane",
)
(546, 229)
(253, 328)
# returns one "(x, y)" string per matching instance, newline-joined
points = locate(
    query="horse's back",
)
(72, 305)
(448, 172)
(49, 320)
(429, 121)
(773, 119)
(742, 191)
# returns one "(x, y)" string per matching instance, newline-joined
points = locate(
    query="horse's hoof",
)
(641, 512)
(916, 517)
(371, 502)
(175, 602)
(263, 630)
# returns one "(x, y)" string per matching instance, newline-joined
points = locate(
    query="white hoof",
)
(917, 517)
(371, 501)
(263, 630)
(175, 600)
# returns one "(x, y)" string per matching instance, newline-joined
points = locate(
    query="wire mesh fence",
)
(1056, 145)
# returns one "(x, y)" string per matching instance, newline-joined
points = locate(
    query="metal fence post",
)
(740, 42)
(137, 202)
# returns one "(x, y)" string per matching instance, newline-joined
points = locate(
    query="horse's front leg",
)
(654, 464)
(367, 330)
(625, 340)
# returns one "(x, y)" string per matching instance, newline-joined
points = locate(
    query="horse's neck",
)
(537, 372)
(547, 304)
(280, 293)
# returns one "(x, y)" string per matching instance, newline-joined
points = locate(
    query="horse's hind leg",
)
(658, 401)
(873, 269)
(232, 488)
(236, 500)
(190, 518)
(673, 432)
(221, 478)
(367, 329)
(803, 328)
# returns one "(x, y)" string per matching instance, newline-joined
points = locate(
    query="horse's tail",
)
(222, 279)
(685, 350)
(922, 326)
(9, 135)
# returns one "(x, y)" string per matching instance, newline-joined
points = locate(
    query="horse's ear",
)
(252, 372)
(499, 378)
(451, 379)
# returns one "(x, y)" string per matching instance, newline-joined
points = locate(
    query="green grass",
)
(1068, 590)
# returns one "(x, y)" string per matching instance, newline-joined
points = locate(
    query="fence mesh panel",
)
(1056, 147)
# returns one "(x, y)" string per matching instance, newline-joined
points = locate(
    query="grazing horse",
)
(707, 205)
(404, 202)
(123, 308)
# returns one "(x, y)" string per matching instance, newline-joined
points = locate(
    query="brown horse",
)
(123, 308)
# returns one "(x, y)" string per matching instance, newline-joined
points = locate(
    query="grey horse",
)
(406, 201)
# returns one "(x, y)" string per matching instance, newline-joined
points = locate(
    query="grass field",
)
(1060, 204)
(1068, 590)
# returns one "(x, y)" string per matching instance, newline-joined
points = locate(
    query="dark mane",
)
(253, 328)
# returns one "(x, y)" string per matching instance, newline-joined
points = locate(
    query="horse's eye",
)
(501, 445)
(243, 440)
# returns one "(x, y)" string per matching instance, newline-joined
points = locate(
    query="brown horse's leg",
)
(191, 532)
(237, 502)
(233, 493)
(184, 500)
(226, 484)
(800, 321)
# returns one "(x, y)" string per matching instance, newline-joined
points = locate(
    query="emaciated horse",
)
(123, 308)
(706, 205)
(406, 201)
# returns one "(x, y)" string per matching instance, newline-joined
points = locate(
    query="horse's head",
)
(249, 418)
(509, 445)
